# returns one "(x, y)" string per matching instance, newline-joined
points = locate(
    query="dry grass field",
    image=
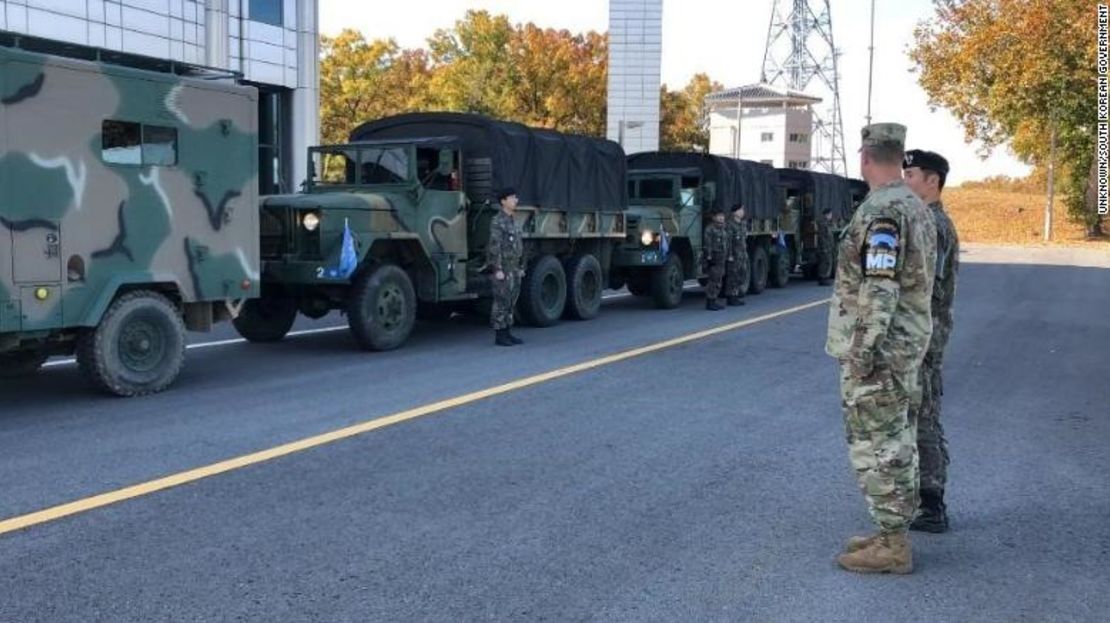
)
(993, 216)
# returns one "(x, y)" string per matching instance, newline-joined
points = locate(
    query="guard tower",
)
(764, 123)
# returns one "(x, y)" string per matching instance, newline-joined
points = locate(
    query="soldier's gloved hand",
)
(499, 275)
(861, 366)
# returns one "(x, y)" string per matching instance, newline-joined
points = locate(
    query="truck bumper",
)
(644, 257)
(301, 273)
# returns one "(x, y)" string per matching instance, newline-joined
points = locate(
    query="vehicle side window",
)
(124, 142)
(159, 145)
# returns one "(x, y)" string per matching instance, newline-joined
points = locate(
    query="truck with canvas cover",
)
(808, 195)
(128, 193)
(670, 197)
(397, 221)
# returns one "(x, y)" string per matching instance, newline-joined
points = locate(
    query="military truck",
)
(808, 195)
(397, 221)
(670, 194)
(127, 210)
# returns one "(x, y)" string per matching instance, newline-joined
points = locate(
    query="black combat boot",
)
(713, 305)
(512, 338)
(934, 514)
(733, 301)
(502, 338)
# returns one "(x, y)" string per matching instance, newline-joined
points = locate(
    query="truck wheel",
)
(543, 293)
(21, 363)
(759, 270)
(779, 271)
(667, 283)
(137, 349)
(381, 308)
(584, 285)
(266, 319)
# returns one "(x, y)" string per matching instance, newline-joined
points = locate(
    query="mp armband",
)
(880, 254)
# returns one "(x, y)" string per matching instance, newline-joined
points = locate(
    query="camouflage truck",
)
(396, 221)
(127, 211)
(807, 195)
(670, 194)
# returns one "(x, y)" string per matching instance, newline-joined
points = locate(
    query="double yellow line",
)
(152, 486)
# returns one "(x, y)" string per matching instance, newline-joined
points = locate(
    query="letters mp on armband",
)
(881, 254)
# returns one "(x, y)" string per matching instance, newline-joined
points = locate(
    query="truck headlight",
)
(647, 238)
(310, 221)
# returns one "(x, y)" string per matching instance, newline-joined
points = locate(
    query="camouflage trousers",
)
(714, 281)
(505, 293)
(932, 448)
(824, 264)
(881, 444)
(736, 277)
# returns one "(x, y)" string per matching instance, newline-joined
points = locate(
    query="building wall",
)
(788, 143)
(216, 33)
(635, 57)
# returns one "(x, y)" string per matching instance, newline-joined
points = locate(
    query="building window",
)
(267, 12)
(767, 137)
(799, 138)
(124, 142)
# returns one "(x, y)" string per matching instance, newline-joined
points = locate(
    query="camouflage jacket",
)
(715, 245)
(881, 304)
(505, 251)
(944, 285)
(737, 240)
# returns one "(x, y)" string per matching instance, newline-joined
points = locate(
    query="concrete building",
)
(635, 58)
(774, 129)
(272, 44)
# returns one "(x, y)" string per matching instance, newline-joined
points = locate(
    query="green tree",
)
(684, 122)
(1014, 70)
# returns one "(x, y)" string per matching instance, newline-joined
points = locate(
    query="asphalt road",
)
(708, 481)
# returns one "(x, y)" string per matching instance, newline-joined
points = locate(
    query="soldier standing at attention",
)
(925, 173)
(504, 257)
(879, 328)
(736, 269)
(825, 244)
(715, 254)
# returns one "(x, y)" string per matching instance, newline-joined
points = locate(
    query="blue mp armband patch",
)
(880, 257)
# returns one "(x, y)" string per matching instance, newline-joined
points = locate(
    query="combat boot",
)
(859, 542)
(713, 305)
(733, 301)
(502, 338)
(512, 338)
(887, 552)
(933, 515)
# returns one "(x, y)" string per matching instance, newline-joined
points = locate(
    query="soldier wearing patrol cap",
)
(925, 174)
(879, 328)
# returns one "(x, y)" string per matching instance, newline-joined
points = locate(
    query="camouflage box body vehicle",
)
(127, 214)
(397, 221)
(670, 196)
(808, 195)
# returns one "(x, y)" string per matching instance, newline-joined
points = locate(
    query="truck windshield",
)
(365, 165)
(656, 188)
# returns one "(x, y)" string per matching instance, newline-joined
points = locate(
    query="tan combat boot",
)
(859, 542)
(889, 552)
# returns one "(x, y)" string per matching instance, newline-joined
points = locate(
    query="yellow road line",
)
(152, 486)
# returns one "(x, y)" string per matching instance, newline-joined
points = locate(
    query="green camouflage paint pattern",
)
(191, 226)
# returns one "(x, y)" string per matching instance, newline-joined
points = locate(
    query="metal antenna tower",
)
(799, 50)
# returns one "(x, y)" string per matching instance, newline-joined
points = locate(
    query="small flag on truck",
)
(348, 257)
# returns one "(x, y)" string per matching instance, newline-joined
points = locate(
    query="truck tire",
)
(759, 269)
(21, 363)
(266, 319)
(381, 308)
(543, 292)
(584, 286)
(137, 349)
(779, 269)
(667, 283)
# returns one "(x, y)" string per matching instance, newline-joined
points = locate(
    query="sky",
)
(725, 39)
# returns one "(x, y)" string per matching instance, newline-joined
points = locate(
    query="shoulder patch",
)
(880, 257)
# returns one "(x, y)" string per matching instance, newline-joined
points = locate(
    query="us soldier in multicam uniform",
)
(825, 243)
(504, 257)
(715, 251)
(879, 327)
(736, 268)
(925, 174)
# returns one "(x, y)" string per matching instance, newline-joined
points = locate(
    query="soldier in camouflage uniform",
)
(736, 269)
(504, 257)
(925, 174)
(825, 243)
(715, 251)
(879, 328)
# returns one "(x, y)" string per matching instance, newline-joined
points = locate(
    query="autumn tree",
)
(361, 80)
(1016, 70)
(684, 122)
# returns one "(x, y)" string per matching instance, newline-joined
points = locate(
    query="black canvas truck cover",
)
(829, 191)
(753, 184)
(548, 169)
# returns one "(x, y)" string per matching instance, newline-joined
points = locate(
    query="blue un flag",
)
(664, 243)
(348, 257)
